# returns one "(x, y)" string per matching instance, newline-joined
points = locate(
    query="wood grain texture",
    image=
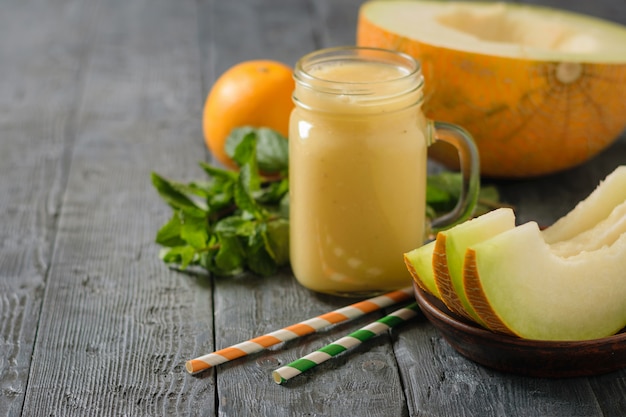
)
(39, 89)
(94, 95)
(443, 383)
(116, 325)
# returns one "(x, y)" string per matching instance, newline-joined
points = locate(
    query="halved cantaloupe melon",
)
(541, 90)
(517, 285)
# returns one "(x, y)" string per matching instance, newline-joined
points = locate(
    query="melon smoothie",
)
(358, 149)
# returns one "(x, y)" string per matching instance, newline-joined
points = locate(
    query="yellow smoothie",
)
(357, 178)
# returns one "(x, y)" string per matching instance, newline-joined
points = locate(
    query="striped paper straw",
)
(297, 330)
(282, 375)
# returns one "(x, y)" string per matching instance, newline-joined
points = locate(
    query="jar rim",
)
(337, 54)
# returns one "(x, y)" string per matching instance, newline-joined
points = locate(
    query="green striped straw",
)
(295, 368)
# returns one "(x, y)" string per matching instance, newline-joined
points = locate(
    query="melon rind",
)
(449, 256)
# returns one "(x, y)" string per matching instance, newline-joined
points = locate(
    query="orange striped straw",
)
(294, 331)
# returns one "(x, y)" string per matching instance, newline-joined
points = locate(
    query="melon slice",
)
(540, 89)
(589, 212)
(517, 285)
(419, 262)
(605, 233)
(449, 256)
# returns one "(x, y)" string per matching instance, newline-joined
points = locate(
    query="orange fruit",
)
(252, 93)
(541, 90)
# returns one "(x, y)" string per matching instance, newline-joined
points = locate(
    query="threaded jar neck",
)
(357, 80)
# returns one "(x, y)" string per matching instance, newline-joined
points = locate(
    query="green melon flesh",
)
(597, 206)
(450, 255)
(518, 282)
(419, 261)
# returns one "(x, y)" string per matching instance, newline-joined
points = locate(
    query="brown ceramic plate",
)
(522, 356)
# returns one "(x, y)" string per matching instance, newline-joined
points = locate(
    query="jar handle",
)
(470, 171)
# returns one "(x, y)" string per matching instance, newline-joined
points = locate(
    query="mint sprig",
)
(444, 189)
(233, 221)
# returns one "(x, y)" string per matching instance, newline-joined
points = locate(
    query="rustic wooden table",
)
(96, 94)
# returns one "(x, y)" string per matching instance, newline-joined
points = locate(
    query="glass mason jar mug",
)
(358, 164)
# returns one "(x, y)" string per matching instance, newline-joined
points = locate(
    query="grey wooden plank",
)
(336, 22)
(232, 32)
(40, 61)
(116, 325)
(441, 382)
(609, 390)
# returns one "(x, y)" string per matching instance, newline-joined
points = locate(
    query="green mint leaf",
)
(273, 192)
(445, 182)
(261, 262)
(272, 148)
(234, 225)
(259, 259)
(229, 259)
(169, 191)
(249, 176)
(223, 175)
(221, 188)
(169, 234)
(436, 195)
(272, 152)
(246, 202)
(234, 139)
(194, 231)
(249, 182)
(443, 191)
(182, 255)
(241, 145)
(277, 241)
